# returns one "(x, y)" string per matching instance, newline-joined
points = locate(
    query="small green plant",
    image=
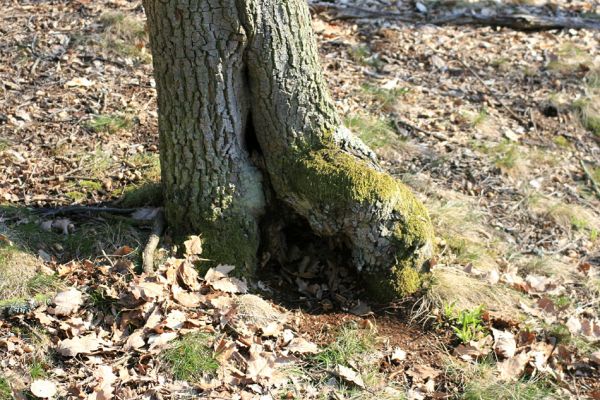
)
(191, 357)
(5, 391)
(562, 301)
(100, 301)
(579, 224)
(507, 155)
(4, 144)
(125, 35)
(569, 59)
(109, 123)
(501, 63)
(37, 369)
(362, 55)
(42, 283)
(90, 185)
(560, 332)
(350, 344)
(464, 249)
(475, 118)
(466, 324)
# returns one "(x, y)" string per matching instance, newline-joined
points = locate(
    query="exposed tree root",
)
(157, 229)
(142, 214)
(71, 210)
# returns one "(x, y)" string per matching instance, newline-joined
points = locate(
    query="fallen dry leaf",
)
(105, 380)
(175, 319)
(595, 357)
(230, 285)
(80, 82)
(188, 275)
(124, 250)
(259, 364)
(349, 375)
(422, 372)
(219, 272)
(135, 340)
(398, 355)
(505, 344)
(300, 345)
(147, 291)
(193, 246)
(43, 388)
(79, 345)
(160, 340)
(185, 298)
(469, 352)
(512, 368)
(66, 302)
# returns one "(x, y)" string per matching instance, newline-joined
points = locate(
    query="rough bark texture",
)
(216, 63)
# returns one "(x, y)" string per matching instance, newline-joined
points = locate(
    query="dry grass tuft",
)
(452, 286)
(125, 35)
(464, 235)
(16, 266)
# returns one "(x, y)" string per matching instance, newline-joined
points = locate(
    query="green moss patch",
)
(109, 123)
(146, 194)
(332, 179)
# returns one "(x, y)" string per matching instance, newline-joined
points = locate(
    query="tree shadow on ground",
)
(30, 238)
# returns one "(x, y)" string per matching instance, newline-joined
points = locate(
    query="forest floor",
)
(496, 130)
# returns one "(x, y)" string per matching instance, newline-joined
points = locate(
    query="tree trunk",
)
(233, 72)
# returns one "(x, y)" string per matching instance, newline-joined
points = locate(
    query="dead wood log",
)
(517, 21)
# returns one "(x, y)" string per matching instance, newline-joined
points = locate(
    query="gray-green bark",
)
(219, 61)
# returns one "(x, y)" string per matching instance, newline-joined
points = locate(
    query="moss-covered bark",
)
(210, 185)
(219, 61)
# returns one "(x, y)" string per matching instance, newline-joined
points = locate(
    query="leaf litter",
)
(148, 313)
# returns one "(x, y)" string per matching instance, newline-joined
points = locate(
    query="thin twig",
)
(112, 264)
(397, 121)
(58, 177)
(489, 89)
(535, 129)
(590, 178)
(157, 230)
(69, 210)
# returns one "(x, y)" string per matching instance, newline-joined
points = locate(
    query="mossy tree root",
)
(233, 72)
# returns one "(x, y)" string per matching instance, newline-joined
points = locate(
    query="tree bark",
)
(227, 68)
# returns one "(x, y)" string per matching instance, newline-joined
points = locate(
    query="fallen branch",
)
(517, 21)
(70, 210)
(397, 121)
(522, 22)
(158, 228)
(590, 177)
